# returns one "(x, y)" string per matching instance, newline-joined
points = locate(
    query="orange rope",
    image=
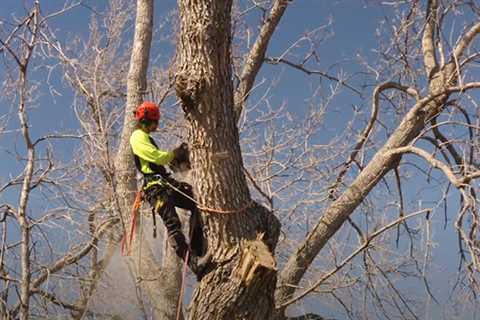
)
(225, 211)
(212, 210)
(182, 285)
(127, 245)
(135, 209)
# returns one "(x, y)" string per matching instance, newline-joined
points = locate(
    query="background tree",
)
(98, 82)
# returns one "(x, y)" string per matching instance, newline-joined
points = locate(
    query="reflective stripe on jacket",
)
(147, 152)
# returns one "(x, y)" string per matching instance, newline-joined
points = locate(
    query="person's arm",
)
(143, 148)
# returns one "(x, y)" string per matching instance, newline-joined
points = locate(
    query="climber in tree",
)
(165, 193)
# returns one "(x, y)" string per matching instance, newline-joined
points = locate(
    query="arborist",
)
(165, 193)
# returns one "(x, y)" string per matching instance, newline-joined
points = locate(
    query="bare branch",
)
(6, 210)
(429, 57)
(368, 129)
(445, 142)
(76, 256)
(12, 53)
(55, 300)
(465, 42)
(339, 266)
(438, 146)
(70, 258)
(58, 136)
(67, 7)
(310, 72)
(5, 44)
(255, 57)
(25, 263)
(433, 162)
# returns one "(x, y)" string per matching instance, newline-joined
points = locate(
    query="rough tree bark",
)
(241, 282)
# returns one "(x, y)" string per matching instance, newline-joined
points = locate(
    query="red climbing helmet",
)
(147, 111)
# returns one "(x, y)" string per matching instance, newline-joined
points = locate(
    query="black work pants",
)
(164, 199)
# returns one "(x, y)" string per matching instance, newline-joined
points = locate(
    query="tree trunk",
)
(241, 284)
(161, 286)
(25, 264)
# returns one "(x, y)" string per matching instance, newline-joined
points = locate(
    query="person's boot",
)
(179, 244)
(199, 265)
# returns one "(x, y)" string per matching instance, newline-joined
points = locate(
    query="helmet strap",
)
(145, 122)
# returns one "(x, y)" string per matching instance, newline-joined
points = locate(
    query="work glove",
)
(180, 160)
(181, 153)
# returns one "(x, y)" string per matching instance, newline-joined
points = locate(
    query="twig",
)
(368, 129)
(255, 58)
(350, 257)
(302, 68)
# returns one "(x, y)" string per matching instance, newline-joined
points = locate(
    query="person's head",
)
(147, 115)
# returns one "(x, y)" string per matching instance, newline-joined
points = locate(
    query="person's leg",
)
(183, 199)
(163, 204)
(183, 196)
(174, 228)
(177, 240)
(197, 240)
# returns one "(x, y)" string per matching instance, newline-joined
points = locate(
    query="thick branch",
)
(256, 55)
(465, 41)
(428, 47)
(339, 211)
(136, 86)
(25, 262)
(339, 266)
(147, 268)
(368, 129)
(310, 72)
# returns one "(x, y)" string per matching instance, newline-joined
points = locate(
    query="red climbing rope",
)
(128, 238)
(182, 285)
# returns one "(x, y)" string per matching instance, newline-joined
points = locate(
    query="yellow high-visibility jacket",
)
(147, 152)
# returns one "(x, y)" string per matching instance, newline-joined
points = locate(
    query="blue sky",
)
(55, 114)
(352, 33)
